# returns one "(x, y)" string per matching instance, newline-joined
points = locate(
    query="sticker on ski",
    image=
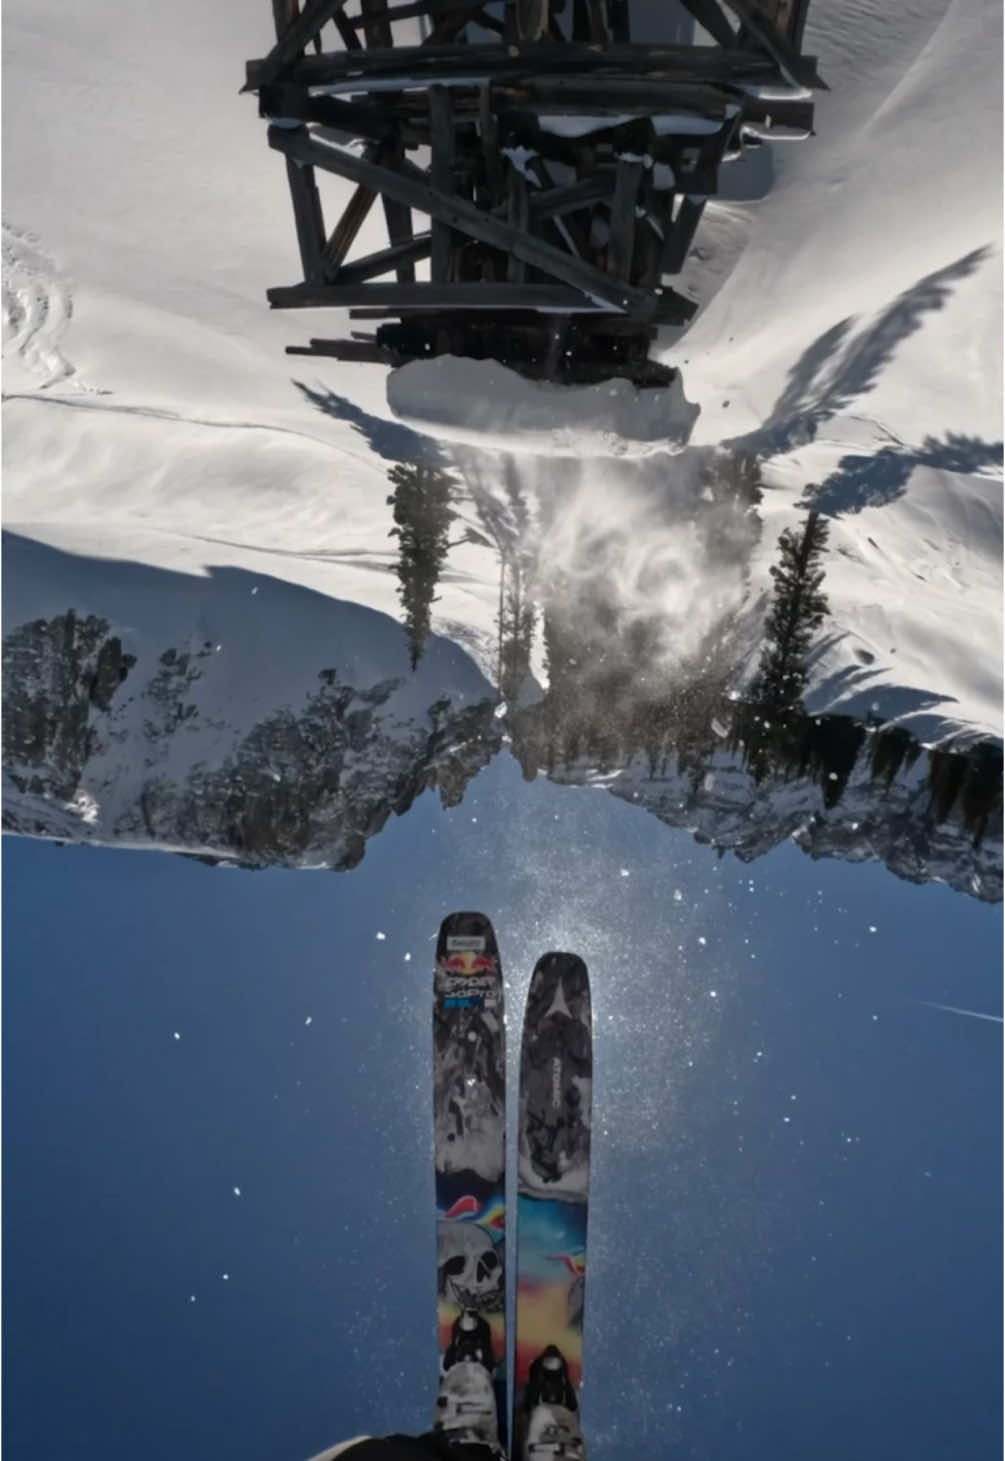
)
(555, 1113)
(469, 1107)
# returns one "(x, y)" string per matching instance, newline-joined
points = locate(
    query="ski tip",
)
(466, 932)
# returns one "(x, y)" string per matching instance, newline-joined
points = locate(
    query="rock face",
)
(155, 749)
(100, 746)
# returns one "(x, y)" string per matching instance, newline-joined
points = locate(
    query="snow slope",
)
(850, 337)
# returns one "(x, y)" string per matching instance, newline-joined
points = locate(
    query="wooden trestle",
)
(563, 169)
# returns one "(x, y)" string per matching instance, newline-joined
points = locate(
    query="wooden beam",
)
(599, 33)
(495, 171)
(450, 61)
(296, 34)
(382, 262)
(798, 70)
(711, 18)
(345, 231)
(622, 245)
(619, 13)
(376, 26)
(441, 129)
(350, 39)
(352, 220)
(354, 118)
(359, 350)
(516, 217)
(550, 298)
(553, 202)
(308, 219)
(677, 241)
(411, 11)
(284, 13)
(531, 21)
(398, 218)
(466, 218)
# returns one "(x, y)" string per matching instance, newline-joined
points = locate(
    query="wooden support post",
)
(516, 217)
(653, 235)
(677, 243)
(532, 21)
(599, 32)
(376, 26)
(620, 22)
(308, 219)
(622, 244)
(441, 128)
(495, 172)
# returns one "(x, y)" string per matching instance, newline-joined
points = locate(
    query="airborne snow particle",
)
(191, 1298)
(382, 936)
(408, 958)
(702, 939)
(218, 648)
(176, 1035)
(237, 1191)
(254, 590)
(309, 1020)
(625, 873)
(678, 896)
(872, 928)
(712, 994)
(225, 1276)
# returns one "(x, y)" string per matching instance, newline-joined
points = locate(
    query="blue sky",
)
(795, 1229)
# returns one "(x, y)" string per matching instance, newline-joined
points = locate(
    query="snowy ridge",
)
(231, 717)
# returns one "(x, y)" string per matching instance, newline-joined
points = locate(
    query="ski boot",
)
(551, 1411)
(466, 1405)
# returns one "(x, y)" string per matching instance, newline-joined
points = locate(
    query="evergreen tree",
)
(798, 610)
(422, 516)
(518, 616)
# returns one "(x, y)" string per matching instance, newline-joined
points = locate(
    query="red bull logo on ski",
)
(468, 963)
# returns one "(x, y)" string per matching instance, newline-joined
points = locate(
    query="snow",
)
(848, 331)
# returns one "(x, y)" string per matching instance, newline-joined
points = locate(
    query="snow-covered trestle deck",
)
(563, 169)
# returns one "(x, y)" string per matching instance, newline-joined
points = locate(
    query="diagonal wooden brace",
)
(466, 218)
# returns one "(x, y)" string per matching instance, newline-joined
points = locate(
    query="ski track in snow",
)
(176, 418)
(37, 309)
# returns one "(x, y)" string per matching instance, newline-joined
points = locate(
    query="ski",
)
(469, 1108)
(553, 1172)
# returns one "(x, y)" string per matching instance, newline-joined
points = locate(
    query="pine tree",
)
(422, 516)
(798, 610)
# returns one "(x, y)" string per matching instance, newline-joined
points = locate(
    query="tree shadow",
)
(389, 439)
(832, 372)
(875, 480)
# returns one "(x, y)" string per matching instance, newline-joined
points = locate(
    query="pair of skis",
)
(554, 1114)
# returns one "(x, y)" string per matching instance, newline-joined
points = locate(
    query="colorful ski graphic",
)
(469, 1104)
(556, 1088)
